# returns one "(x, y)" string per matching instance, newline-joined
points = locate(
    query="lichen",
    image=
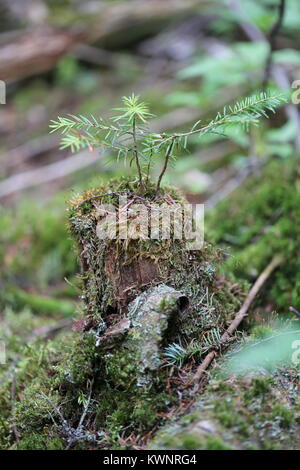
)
(258, 221)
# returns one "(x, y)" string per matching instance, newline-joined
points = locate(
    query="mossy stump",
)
(115, 271)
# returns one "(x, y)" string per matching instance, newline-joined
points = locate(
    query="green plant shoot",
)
(127, 133)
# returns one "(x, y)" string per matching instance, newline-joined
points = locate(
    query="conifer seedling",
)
(127, 133)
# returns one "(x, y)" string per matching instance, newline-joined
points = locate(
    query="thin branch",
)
(86, 406)
(78, 432)
(99, 196)
(234, 183)
(28, 150)
(49, 331)
(135, 152)
(278, 72)
(55, 408)
(272, 40)
(74, 434)
(167, 157)
(220, 121)
(242, 313)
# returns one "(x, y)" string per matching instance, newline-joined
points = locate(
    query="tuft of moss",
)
(215, 443)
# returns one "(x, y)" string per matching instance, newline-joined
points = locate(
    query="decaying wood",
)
(242, 313)
(233, 183)
(50, 331)
(126, 278)
(293, 310)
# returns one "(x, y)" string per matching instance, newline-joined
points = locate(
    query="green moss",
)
(284, 415)
(190, 418)
(225, 412)
(215, 443)
(258, 221)
(169, 442)
(38, 442)
(190, 443)
(250, 413)
(260, 388)
(261, 331)
(19, 299)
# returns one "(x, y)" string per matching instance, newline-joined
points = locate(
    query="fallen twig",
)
(73, 434)
(242, 313)
(228, 188)
(38, 49)
(48, 331)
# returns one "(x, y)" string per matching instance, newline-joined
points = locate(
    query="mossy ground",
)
(246, 412)
(257, 222)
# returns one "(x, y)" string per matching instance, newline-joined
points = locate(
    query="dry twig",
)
(242, 313)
